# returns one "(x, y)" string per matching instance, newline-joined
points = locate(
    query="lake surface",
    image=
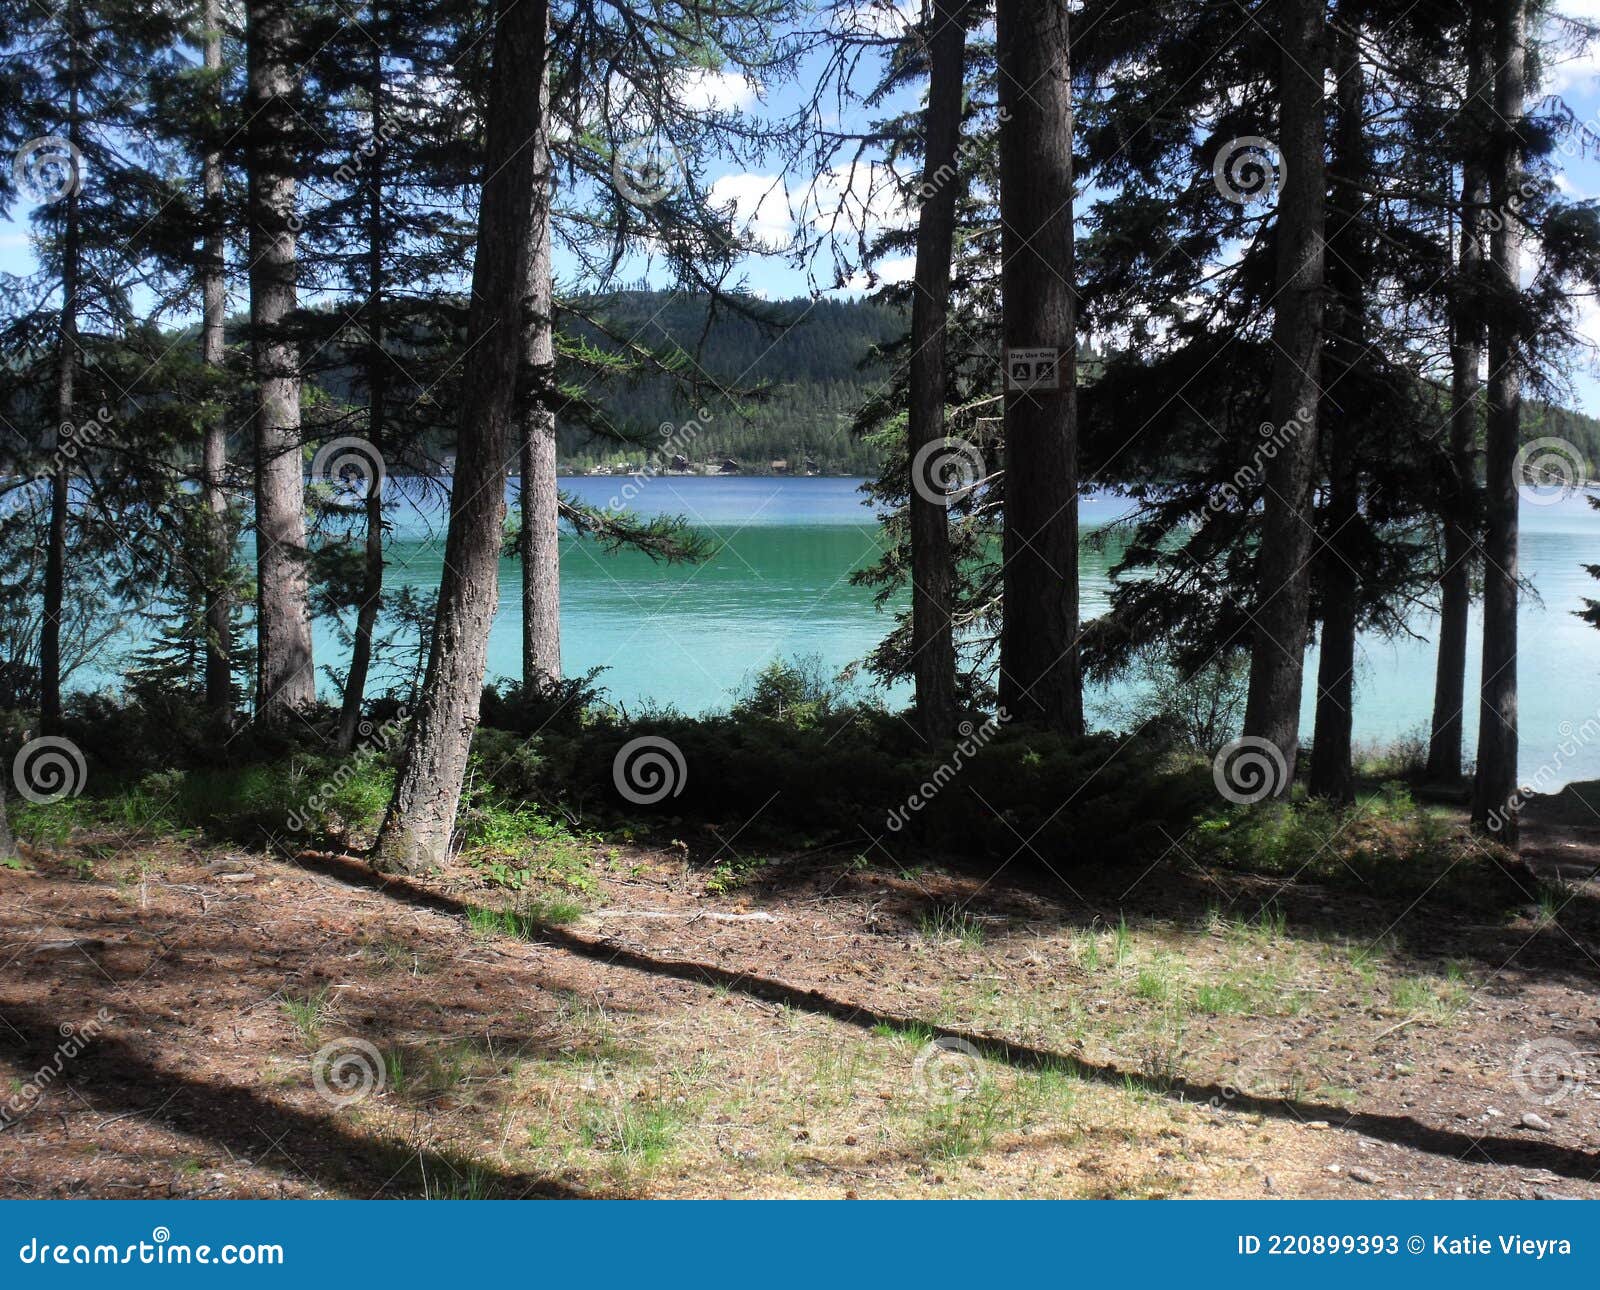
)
(779, 586)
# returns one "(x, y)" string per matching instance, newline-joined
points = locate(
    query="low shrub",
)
(1385, 845)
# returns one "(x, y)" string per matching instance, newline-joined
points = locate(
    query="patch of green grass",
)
(1223, 999)
(640, 1134)
(1052, 1087)
(1385, 845)
(50, 825)
(466, 1181)
(915, 1033)
(526, 922)
(950, 923)
(1122, 941)
(1161, 1060)
(835, 1070)
(1554, 896)
(396, 1079)
(1155, 984)
(1267, 925)
(1429, 996)
(305, 797)
(954, 1128)
(308, 1012)
(732, 874)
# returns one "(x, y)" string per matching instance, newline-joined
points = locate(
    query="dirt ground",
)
(184, 1020)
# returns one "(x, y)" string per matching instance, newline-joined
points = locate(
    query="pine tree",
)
(286, 677)
(417, 828)
(75, 93)
(1039, 672)
(1460, 519)
(1282, 590)
(933, 644)
(1496, 782)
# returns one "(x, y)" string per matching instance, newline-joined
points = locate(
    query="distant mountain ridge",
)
(811, 364)
(813, 368)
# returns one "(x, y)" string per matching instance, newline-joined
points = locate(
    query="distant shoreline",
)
(696, 474)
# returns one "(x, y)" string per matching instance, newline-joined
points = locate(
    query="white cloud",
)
(1577, 72)
(760, 206)
(902, 269)
(702, 90)
(1588, 320)
(1568, 67)
(866, 195)
(1582, 10)
(877, 18)
(839, 201)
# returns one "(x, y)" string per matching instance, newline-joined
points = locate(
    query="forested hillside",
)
(778, 380)
(800, 370)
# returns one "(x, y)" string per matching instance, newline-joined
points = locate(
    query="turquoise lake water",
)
(779, 587)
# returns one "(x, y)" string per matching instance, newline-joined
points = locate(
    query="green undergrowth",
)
(793, 765)
(1385, 845)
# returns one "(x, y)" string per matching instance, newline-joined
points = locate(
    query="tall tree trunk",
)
(539, 538)
(355, 681)
(285, 675)
(1040, 677)
(214, 447)
(1277, 656)
(1461, 517)
(1344, 403)
(933, 639)
(1496, 786)
(8, 844)
(421, 818)
(55, 556)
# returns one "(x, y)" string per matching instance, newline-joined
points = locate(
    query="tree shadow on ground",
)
(1399, 1129)
(1427, 928)
(318, 1147)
